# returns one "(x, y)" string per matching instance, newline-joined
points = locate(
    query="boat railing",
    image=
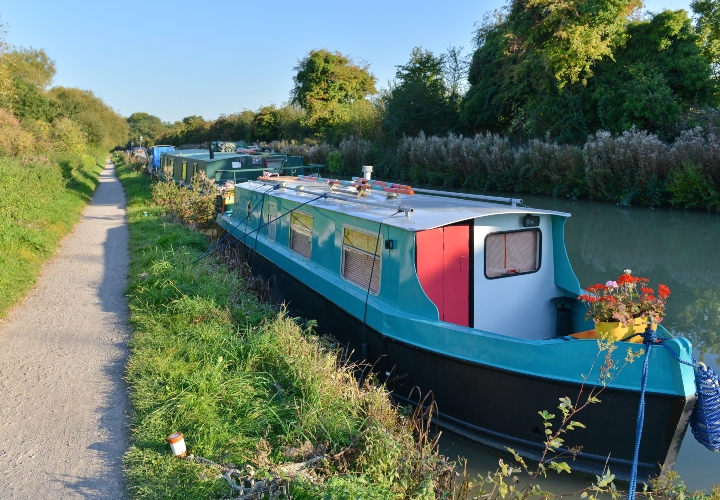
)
(512, 201)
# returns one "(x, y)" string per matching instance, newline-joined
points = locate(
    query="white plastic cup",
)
(177, 444)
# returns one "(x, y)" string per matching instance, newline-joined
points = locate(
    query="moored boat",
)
(466, 296)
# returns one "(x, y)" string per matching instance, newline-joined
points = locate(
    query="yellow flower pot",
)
(614, 330)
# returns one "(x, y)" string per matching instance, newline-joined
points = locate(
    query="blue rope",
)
(705, 419)
(650, 337)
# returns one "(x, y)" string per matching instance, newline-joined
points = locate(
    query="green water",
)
(677, 248)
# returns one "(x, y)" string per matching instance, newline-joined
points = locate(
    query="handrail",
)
(512, 201)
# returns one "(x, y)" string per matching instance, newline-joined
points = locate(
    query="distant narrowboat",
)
(469, 297)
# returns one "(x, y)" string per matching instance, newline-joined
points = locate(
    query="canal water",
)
(678, 248)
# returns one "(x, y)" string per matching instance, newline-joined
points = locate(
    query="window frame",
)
(301, 230)
(270, 223)
(377, 269)
(539, 253)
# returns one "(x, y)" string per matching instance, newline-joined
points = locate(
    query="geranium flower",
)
(624, 299)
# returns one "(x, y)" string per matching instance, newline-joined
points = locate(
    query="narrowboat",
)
(467, 297)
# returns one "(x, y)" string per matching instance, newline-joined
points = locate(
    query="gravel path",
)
(63, 402)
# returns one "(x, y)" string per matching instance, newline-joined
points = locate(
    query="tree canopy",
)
(326, 85)
(569, 68)
(104, 128)
(420, 99)
(145, 125)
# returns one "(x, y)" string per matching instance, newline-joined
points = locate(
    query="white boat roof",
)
(420, 211)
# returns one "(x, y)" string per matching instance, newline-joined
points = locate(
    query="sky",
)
(182, 58)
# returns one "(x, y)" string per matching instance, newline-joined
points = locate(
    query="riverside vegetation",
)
(258, 395)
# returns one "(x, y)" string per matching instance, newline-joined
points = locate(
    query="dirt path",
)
(63, 403)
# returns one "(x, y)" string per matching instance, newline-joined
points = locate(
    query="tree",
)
(6, 81)
(103, 127)
(420, 100)
(265, 124)
(326, 84)
(31, 66)
(145, 125)
(707, 26)
(658, 74)
(531, 60)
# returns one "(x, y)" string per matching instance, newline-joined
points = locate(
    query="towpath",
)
(63, 403)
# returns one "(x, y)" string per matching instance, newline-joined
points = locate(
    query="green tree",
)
(32, 103)
(103, 127)
(658, 74)
(6, 81)
(532, 60)
(290, 119)
(326, 84)
(265, 124)
(145, 125)
(31, 71)
(419, 100)
(707, 26)
(32, 66)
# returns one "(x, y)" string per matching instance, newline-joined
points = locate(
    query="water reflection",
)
(700, 321)
(677, 248)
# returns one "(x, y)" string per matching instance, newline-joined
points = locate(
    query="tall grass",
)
(246, 384)
(41, 199)
(633, 168)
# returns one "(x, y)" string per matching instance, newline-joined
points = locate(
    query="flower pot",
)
(614, 330)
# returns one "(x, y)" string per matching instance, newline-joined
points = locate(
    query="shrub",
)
(549, 168)
(67, 136)
(194, 205)
(690, 188)
(14, 140)
(626, 169)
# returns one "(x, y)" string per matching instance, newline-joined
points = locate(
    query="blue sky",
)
(182, 58)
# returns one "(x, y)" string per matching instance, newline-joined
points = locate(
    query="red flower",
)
(624, 279)
(646, 290)
(663, 291)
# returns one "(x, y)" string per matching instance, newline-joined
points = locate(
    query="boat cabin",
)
(464, 260)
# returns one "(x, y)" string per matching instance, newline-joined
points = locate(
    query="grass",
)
(41, 199)
(249, 387)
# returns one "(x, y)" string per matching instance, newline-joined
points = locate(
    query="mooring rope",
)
(705, 418)
(367, 292)
(649, 337)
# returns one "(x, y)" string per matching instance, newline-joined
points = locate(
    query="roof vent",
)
(367, 172)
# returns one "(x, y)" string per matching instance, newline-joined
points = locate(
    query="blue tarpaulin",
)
(157, 151)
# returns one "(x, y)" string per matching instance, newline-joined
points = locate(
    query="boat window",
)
(271, 215)
(194, 169)
(301, 233)
(361, 259)
(512, 253)
(184, 171)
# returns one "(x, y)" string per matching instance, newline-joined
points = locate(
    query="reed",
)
(632, 168)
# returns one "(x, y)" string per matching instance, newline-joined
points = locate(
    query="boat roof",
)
(416, 212)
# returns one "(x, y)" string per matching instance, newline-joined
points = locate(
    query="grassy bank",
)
(41, 199)
(254, 391)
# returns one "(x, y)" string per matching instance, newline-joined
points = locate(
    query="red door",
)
(443, 266)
